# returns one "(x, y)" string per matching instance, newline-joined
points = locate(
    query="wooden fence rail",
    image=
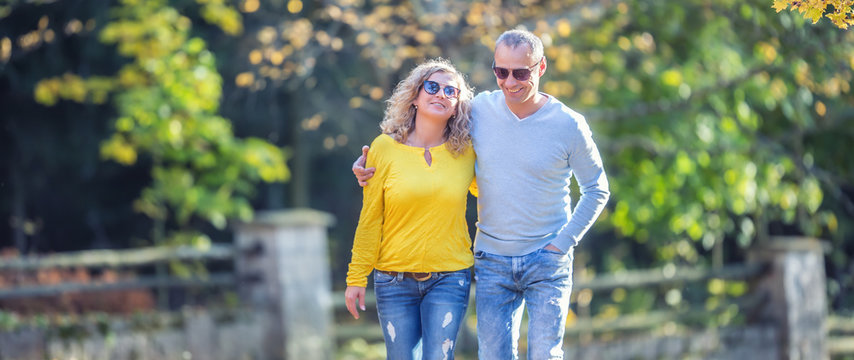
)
(128, 258)
(668, 275)
(226, 279)
(278, 267)
(840, 338)
(118, 258)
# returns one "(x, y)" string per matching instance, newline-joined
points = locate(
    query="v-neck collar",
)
(507, 107)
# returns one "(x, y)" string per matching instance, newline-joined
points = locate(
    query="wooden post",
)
(283, 273)
(793, 291)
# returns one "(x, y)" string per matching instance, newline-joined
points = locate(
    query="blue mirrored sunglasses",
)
(432, 87)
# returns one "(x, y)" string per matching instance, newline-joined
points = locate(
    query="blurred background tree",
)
(167, 99)
(721, 123)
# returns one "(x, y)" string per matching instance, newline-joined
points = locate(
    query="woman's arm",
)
(366, 242)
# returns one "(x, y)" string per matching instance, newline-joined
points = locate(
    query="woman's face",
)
(440, 105)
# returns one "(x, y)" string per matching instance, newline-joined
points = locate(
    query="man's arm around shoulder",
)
(362, 174)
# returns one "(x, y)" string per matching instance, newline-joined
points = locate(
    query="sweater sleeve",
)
(366, 242)
(586, 165)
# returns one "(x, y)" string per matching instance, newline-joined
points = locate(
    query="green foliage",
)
(710, 117)
(703, 125)
(359, 349)
(9, 321)
(95, 89)
(222, 15)
(167, 99)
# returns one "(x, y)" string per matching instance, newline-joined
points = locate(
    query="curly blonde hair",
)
(399, 119)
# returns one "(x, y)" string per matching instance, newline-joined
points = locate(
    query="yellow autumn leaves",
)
(842, 14)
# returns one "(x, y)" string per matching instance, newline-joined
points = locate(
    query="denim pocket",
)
(547, 251)
(479, 254)
(381, 278)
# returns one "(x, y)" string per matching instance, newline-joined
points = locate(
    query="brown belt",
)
(418, 276)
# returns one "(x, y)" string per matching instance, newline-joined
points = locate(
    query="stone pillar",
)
(793, 295)
(283, 273)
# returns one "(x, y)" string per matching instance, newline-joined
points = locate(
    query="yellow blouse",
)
(413, 214)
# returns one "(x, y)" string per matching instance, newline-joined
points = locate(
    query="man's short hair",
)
(515, 38)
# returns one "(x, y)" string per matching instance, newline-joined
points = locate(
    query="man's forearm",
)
(588, 209)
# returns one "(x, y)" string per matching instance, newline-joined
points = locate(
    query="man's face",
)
(518, 91)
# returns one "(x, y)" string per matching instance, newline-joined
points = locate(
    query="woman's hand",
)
(351, 296)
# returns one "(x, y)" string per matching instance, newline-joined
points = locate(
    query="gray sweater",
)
(523, 173)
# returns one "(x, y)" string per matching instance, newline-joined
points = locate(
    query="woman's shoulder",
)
(468, 153)
(383, 148)
(383, 140)
(470, 150)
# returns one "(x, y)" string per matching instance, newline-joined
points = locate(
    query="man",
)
(528, 145)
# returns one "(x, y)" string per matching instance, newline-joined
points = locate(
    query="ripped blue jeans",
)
(421, 319)
(505, 285)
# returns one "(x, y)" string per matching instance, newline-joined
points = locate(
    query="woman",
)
(412, 229)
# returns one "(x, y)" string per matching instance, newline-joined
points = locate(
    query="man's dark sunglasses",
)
(432, 87)
(519, 74)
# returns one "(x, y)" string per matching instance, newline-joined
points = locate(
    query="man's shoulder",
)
(488, 93)
(559, 106)
(563, 111)
(561, 116)
(487, 97)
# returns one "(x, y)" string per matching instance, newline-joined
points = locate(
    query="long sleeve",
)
(366, 242)
(586, 164)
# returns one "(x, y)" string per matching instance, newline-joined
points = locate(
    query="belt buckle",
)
(420, 279)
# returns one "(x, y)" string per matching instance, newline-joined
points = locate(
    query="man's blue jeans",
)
(421, 319)
(504, 285)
